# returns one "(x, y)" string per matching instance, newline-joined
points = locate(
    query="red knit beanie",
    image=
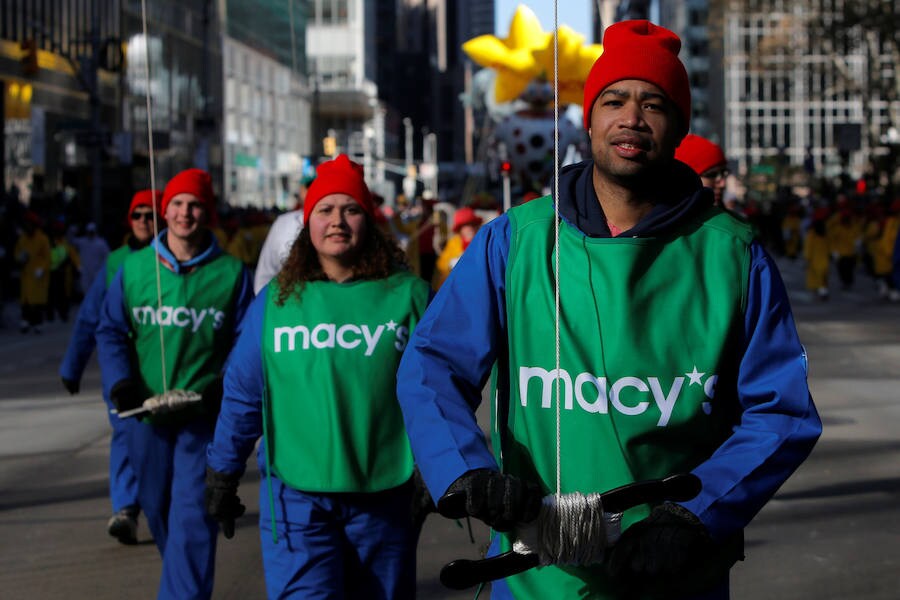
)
(640, 50)
(338, 176)
(700, 154)
(150, 198)
(196, 182)
(465, 216)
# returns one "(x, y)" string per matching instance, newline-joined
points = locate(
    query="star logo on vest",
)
(694, 377)
(391, 326)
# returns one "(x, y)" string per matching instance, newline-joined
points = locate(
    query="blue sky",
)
(574, 13)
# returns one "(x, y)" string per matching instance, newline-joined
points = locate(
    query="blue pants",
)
(340, 545)
(123, 490)
(170, 464)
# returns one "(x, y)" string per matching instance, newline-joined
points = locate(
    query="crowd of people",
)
(355, 357)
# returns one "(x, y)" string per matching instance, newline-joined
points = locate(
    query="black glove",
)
(72, 385)
(126, 394)
(661, 550)
(422, 502)
(498, 499)
(222, 502)
(211, 397)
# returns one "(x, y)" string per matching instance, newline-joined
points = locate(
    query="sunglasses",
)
(142, 216)
(717, 174)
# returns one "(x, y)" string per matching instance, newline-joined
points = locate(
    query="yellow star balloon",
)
(575, 60)
(527, 53)
(511, 57)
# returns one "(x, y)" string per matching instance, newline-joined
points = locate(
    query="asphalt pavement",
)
(832, 532)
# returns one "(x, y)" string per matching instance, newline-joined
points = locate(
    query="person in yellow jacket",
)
(886, 247)
(465, 225)
(876, 260)
(817, 254)
(32, 252)
(844, 233)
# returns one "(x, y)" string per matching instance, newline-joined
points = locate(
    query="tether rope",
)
(162, 343)
(556, 241)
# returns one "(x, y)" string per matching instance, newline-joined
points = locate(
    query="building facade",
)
(267, 138)
(812, 82)
(77, 80)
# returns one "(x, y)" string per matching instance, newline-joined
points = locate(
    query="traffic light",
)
(29, 57)
(505, 168)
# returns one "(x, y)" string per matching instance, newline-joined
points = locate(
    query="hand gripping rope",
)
(571, 529)
(162, 403)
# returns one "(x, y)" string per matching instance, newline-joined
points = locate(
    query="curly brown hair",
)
(378, 257)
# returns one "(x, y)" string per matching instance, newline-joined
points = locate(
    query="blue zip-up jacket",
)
(113, 350)
(464, 331)
(240, 421)
(82, 343)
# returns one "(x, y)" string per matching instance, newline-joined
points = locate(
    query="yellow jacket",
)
(881, 259)
(843, 237)
(446, 260)
(33, 253)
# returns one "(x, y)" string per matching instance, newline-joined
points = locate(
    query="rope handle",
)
(173, 399)
(464, 573)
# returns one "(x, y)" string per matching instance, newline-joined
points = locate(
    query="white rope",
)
(162, 343)
(556, 234)
(571, 529)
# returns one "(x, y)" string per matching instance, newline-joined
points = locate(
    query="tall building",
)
(77, 76)
(690, 19)
(52, 136)
(268, 142)
(176, 69)
(421, 74)
(815, 77)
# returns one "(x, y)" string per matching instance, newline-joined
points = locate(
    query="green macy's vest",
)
(646, 368)
(114, 260)
(330, 362)
(196, 315)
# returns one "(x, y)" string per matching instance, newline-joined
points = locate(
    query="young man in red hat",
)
(707, 160)
(189, 314)
(122, 482)
(677, 353)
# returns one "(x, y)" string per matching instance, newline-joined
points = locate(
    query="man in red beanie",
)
(122, 482)
(675, 352)
(171, 315)
(707, 160)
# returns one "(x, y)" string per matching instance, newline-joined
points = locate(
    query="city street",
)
(832, 532)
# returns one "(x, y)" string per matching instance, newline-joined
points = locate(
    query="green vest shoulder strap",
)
(729, 222)
(114, 260)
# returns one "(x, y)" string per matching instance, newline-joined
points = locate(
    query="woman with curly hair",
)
(314, 373)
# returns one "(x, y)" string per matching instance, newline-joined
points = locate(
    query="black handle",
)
(464, 573)
(461, 574)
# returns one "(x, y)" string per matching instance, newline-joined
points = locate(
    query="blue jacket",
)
(82, 343)
(240, 420)
(464, 331)
(113, 351)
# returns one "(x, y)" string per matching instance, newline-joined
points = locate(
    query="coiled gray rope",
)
(571, 529)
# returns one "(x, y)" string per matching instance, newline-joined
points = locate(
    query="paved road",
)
(832, 532)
